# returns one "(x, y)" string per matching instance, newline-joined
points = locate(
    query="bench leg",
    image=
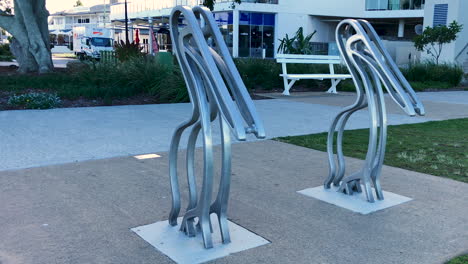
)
(332, 89)
(287, 86)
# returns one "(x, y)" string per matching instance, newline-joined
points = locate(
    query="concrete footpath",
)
(438, 105)
(31, 138)
(82, 212)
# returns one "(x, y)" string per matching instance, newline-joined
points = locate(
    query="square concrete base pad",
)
(183, 249)
(357, 202)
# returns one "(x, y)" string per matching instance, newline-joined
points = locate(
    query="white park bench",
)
(291, 78)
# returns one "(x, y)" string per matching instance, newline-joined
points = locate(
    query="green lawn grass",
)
(459, 260)
(439, 147)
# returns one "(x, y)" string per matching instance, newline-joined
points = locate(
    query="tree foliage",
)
(433, 39)
(78, 3)
(299, 44)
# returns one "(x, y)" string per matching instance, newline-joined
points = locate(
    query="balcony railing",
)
(70, 26)
(379, 5)
(141, 6)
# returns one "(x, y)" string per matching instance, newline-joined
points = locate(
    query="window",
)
(377, 4)
(440, 14)
(256, 34)
(101, 42)
(83, 20)
(225, 21)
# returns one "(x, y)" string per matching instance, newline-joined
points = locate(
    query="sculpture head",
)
(209, 71)
(370, 64)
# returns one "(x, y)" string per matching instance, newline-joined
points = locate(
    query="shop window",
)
(225, 21)
(256, 34)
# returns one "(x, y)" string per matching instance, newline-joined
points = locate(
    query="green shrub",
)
(299, 44)
(258, 73)
(265, 73)
(126, 51)
(109, 81)
(35, 101)
(135, 76)
(459, 260)
(5, 53)
(346, 86)
(431, 72)
(430, 85)
(424, 76)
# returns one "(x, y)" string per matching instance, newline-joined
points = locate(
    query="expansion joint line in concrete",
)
(212, 81)
(371, 66)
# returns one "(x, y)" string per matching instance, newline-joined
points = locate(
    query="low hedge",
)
(5, 53)
(430, 72)
(108, 81)
(164, 81)
(263, 74)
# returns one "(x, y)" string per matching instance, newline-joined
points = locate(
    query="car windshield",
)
(101, 42)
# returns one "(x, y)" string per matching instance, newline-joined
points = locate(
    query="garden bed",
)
(26, 82)
(156, 80)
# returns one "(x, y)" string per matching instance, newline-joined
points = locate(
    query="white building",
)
(444, 12)
(4, 36)
(257, 24)
(62, 23)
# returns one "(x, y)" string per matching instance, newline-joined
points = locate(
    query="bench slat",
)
(299, 56)
(318, 61)
(316, 76)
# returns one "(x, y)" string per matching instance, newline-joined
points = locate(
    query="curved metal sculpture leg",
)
(211, 79)
(371, 66)
(202, 209)
(189, 226)
(219, 207)
(375, 175)
(173, 168)
(339, 143)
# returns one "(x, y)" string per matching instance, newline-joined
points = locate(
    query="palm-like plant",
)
(299, 44)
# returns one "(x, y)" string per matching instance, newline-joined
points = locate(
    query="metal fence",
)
(108, 57)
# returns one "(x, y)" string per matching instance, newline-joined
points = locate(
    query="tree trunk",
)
(29, 28)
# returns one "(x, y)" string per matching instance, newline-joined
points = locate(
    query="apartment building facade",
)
(93, 16)
(253, 28)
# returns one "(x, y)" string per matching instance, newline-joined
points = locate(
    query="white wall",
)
(325, 30)
(288, 23)
(457, 10)
(400, 51)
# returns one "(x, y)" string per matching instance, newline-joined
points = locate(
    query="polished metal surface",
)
(213, 82)
(371, 66)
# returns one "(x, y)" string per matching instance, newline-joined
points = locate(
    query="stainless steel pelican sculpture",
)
(371, 66)
(212, 81)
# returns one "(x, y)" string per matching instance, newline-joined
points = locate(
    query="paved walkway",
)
(438, 105)
(83, 212)
(34, 138)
